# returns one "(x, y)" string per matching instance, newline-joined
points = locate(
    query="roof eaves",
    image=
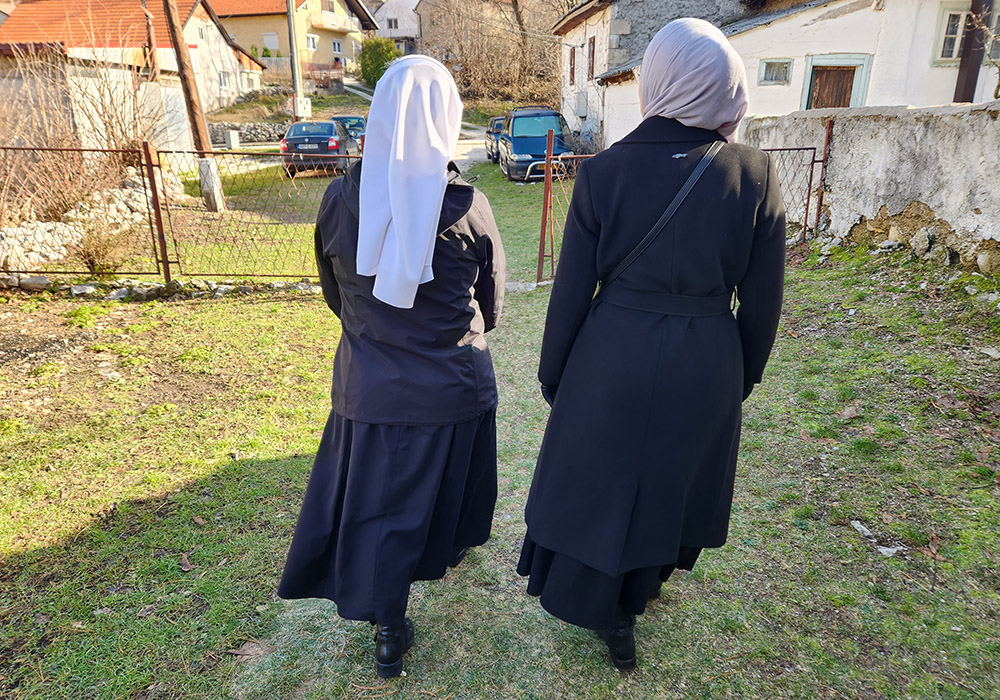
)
(225, 34)
(625, 71)
(368, 20)
(579, 14)
(766, 18)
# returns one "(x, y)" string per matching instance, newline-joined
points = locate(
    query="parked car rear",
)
(310, 145)
(493, 130)
(523, 139)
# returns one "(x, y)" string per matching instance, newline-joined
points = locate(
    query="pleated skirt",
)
(387, 505)
(586, 597)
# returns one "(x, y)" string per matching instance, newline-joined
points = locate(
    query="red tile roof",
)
(244, 8)
(97, 23)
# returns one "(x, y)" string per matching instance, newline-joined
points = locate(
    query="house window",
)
(312, 42)
(591, 45)
(399, 47)
(392, 23)
(338, 46)
(201, 32)
(271, 41)
(572, 65)
(224, 80)
(953, 27)
(775, 72)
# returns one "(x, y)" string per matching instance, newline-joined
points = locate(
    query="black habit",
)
(405, 474)
(636, 468)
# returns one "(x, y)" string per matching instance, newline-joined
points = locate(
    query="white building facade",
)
(398, 21)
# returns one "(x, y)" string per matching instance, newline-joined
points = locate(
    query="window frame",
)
(392, 23)
(762, 70)
(338, 46)
(265, 35)
(572, 65)
(202, 34)
(224, 81)
(312, 42)
(964, 10)
(591, 56)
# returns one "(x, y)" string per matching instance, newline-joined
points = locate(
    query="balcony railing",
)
(331, 20)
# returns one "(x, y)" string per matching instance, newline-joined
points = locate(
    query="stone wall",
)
(253, 132)
(922, 178)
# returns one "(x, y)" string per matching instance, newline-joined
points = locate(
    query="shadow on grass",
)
(149, 598)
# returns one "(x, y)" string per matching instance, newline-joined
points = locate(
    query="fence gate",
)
(795, 168)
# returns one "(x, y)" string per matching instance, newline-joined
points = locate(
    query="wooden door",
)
(831, 86)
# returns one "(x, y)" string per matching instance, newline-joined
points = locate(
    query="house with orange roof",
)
(328, 33)
(126, 44)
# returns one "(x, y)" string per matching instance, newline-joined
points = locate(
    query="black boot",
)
(621, 643)
(391, 642)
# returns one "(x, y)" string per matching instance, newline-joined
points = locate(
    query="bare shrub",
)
(496, 50)
(106, 99)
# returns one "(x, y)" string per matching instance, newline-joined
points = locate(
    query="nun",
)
(646, 378)
(410, 260)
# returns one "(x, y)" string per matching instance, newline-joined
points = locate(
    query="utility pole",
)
(300, 107)
(208, 168)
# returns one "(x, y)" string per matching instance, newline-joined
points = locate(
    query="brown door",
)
(831, 86)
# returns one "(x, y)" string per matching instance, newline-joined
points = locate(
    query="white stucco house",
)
(397, 20)
(112, 55)
(798, 55)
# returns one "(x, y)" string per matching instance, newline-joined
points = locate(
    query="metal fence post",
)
(822, 172)
(161, 236)
(546, 203)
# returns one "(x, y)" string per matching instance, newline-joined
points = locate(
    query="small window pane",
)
(952, 28)
(948, 50)
(777, 72)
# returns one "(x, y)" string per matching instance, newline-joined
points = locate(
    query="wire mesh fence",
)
(795, 167)
(244, 214)
(147, 212)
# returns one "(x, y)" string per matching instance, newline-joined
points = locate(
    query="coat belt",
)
(667, 304)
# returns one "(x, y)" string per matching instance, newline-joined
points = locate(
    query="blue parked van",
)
(522, 141)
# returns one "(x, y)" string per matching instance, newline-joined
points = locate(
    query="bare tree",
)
(990, 36)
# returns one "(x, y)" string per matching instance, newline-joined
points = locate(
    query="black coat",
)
(640, 451)
(428, 365)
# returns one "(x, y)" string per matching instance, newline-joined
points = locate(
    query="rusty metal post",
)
(161, 236)
(822, 172)
(809, 194)
(546, 203)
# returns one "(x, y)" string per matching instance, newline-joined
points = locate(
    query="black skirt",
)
(387, 505)
(586, 597)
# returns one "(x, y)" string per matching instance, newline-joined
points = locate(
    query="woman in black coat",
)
(411, 262)
(635, 474)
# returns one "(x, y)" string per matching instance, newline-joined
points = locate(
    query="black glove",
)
(549, 393)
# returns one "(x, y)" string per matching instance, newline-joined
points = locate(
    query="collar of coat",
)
(660, 129)
(458, 196)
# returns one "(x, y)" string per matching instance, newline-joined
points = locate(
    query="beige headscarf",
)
(691, 73)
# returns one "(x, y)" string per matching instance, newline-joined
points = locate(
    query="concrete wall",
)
(896, 45)
(896, 173)
(622, 113)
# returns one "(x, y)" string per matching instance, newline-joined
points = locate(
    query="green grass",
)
(200, 448)
(271, 108)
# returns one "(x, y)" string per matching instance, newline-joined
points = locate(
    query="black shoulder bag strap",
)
(668, 214)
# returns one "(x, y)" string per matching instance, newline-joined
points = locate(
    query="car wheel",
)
(510, 175)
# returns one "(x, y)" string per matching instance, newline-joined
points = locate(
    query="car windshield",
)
(357, 123)
(307, 129)
(537, 126)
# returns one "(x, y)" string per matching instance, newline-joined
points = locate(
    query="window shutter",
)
(572, 65)
(590, 58)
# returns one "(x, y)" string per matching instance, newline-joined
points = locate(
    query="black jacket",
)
(428, 365)
(640, 450)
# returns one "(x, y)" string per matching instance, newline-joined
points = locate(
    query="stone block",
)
(36, 284)
(988, 262)
(620, 26)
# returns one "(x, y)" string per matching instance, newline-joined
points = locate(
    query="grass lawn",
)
(153, 458)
